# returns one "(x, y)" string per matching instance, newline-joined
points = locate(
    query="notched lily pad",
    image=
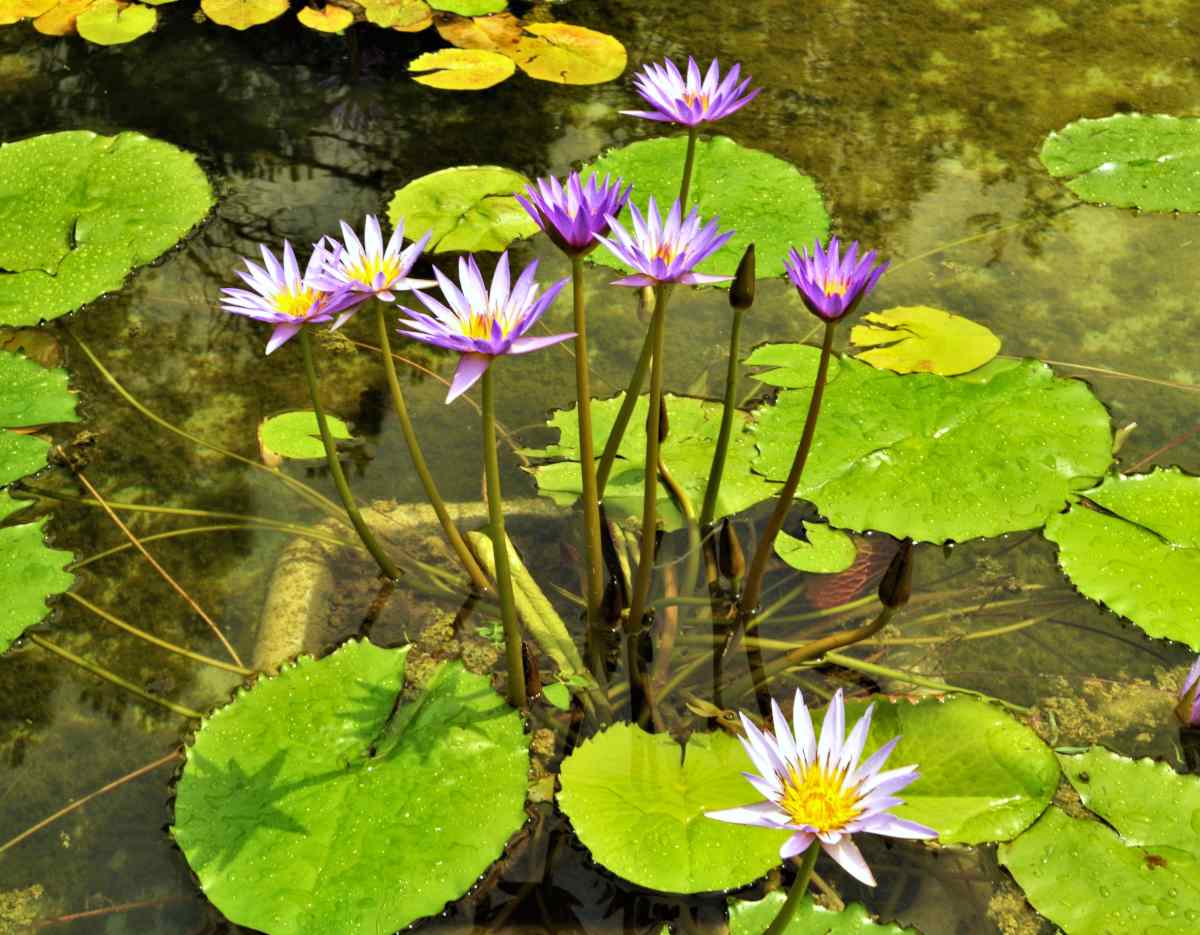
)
(312, 804)
(461, 69)
(78, 211)
(330, 18)
(919, 339)
(753, 917)
(242, 14)
(826, 550)
(567, 54)
(467, 207)
(496, 33)
(111, 22)
(296, 435)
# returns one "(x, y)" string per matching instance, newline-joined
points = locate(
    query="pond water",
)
(921, 123)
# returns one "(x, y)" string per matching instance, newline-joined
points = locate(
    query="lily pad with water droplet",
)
(919, 339)
(1137, 550)
(753, 917)
(78, 211)
(311, 803)
(938, 458)
(1145, 161)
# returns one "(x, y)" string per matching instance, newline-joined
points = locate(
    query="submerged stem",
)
(508, 610)
(713, 487)
(796, 894)
(382, 559)
(470, 565)
(587, 458)
(617, 432)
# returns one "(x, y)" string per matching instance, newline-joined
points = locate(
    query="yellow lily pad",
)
(331, 19)
(919, 339)
(461, 69)
(568, 54)
(60, 19)
(110, 22)
(401, 15)
(497, 33)
(242, 14)
(12, 11)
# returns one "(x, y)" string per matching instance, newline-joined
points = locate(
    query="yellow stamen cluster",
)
(823, 800)
(665, 253)
(480, 326)
(691, 97)
(367, 267)
(296, 303)
(834, 286)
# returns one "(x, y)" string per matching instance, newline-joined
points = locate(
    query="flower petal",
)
(470, 369)
(851, 860)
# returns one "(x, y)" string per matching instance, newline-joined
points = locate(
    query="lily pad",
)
(1139, 553)
(461, 69)
(939, 458)
(32, 572)
(753, 917)
(330, 18)
(1079, 874)
(110, 22)
(60, 19)
(468, 208)
(242, 14)
(567, 54)
(637, 802)
(401, 15)
(78, 211)
(12, 11)
(306, 806)
(826, 551)
(497, 33)
(469, 7)
(919, 339)
(297, 435)
(1147, 802)
(686, 453)
(767, 201)
(793, 366)
(1151, 162)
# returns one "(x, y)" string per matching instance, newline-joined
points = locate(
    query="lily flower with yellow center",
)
(819, 789)
(369, 267)
(664, 250)
(692, 100)
(284, 297)
(832, 285)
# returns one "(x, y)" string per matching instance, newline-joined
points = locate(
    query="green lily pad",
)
(984, 776)
(109, 22)
(1139, 554)
(567, 54)
(469, 7)
(919, 339)
(687, 453)
(767, 201)
(637, 802)
(826, 552)
(467, 208)
(939, 458)
(79, 211)
(32, 395)
(1151, 162)
(32, 572)
(304, 806)
(296, 435)
(1079, 874)
(461, 69)
(753, 917)
(793, 366)
(1148, 803)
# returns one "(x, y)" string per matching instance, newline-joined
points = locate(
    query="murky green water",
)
(920, 122)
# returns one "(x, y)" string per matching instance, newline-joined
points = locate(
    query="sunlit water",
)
(921, 123)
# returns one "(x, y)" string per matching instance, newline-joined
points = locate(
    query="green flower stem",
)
(587, 457)
(713, 488)
(112, 677)
(470, 565)
(632, 392)
(797, 893)
(689, 163)
(386, 565)
(766, 545)
(508, 609)
(645, 569)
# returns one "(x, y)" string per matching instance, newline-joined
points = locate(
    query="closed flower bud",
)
(730, 559)
(896, 585)
(741, 290)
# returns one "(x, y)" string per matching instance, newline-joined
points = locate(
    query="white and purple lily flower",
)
(1188, 709)
(832, 285)
(819, 790)
(483, 323)
(692, 100)
(665, 251)
(284, 297)
(572, 214)
(369, 266)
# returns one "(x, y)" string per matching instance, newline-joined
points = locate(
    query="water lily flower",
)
(832, 285)
(665, 251)
(819, 789)
(369, 267)
(286, 298)
(571, 214)
(481, 323)
(692, 100)
(1188, 709)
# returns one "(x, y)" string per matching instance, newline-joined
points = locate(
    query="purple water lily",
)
(572, 214)
(483, 324)
(665, 251)
(692, 100)
(819, 790)
(1188, 709)
(832, 285)
(368, 266)
(286, 298)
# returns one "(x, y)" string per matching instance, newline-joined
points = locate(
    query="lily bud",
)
(730, 559)
(741, 290)
(896, 585)
(1188, 709)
